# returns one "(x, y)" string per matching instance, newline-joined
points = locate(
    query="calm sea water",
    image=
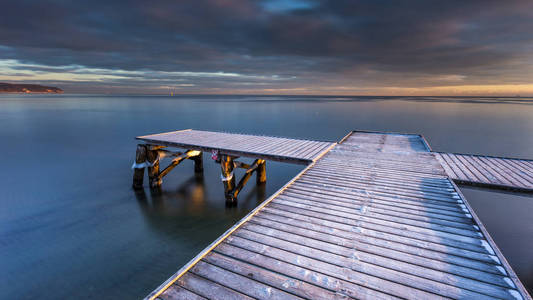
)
(71, 227)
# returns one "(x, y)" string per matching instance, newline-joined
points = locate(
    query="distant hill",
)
(28, 88)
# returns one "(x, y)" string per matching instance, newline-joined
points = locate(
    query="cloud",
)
(295, 45)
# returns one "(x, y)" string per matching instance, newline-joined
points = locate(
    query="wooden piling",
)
(226, 166)
(153, 171)
(198, 164)
(138, 173)
(261, 172)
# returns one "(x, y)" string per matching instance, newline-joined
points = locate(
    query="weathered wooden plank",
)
(490, 168)
(384, 169)
(488, 171)
(403, 201)
(453, 238)
(207, 288)
(267, 277)
(365, 210)
(176, 292)
(313, 259)
(340, 188)
(374, 233)
(336, 276)
(468, 259)
(314, 284)
(360, 267)
(385, 183)
(239, 283)
(382, 207)
(383, 256)
(348, 173)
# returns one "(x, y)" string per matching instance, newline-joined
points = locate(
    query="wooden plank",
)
(414, 187)
(356, 265)
(386, 227)
(384, 256)
(495, 172)
(375, 233)
(480, 262)
(270, 278)
(335, 277)
(382, 207)
(312, 259)
(365, 210)
(501, 178)
(176, 292)
(239, 283)
(385, 207)
(207, 288)
(314, 284)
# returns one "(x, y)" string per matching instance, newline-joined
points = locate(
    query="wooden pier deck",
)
(375, 217)
(263, 147)
(488, 171)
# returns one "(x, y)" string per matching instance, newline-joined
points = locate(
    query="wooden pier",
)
(488, 171)
(236, 145)
(375, 216)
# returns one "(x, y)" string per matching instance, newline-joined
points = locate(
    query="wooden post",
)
(198, 164)
(228, 178)
(138, 173)
(153, 171)
(261, 173)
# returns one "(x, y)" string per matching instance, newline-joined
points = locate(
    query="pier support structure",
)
(150, 156)
(227, 166)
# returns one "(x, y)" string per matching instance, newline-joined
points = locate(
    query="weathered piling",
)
(228, 178)
(138, 172)
(153, 170)
(198, 163)
(261, 173)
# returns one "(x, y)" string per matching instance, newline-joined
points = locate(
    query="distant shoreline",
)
(9, 88)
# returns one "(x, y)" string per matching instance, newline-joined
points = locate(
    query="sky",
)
(336, 47)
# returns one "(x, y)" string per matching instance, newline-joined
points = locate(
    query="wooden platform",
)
(376, 217)
(263, 147)
(489, 171)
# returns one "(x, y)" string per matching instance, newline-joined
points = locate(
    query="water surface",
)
(71, 227)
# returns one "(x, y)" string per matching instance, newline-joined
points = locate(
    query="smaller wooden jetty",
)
(375, 216)
(225, 148)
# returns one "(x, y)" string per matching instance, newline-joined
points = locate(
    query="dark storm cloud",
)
(341, 42)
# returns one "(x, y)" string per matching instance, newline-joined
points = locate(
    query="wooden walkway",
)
(263, 147)
(376, 217)
(489, 171)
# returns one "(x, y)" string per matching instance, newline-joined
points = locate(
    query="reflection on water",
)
(71, 227)
(167, 202)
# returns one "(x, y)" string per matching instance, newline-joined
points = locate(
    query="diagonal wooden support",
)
(156, 177)
(227, 165)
